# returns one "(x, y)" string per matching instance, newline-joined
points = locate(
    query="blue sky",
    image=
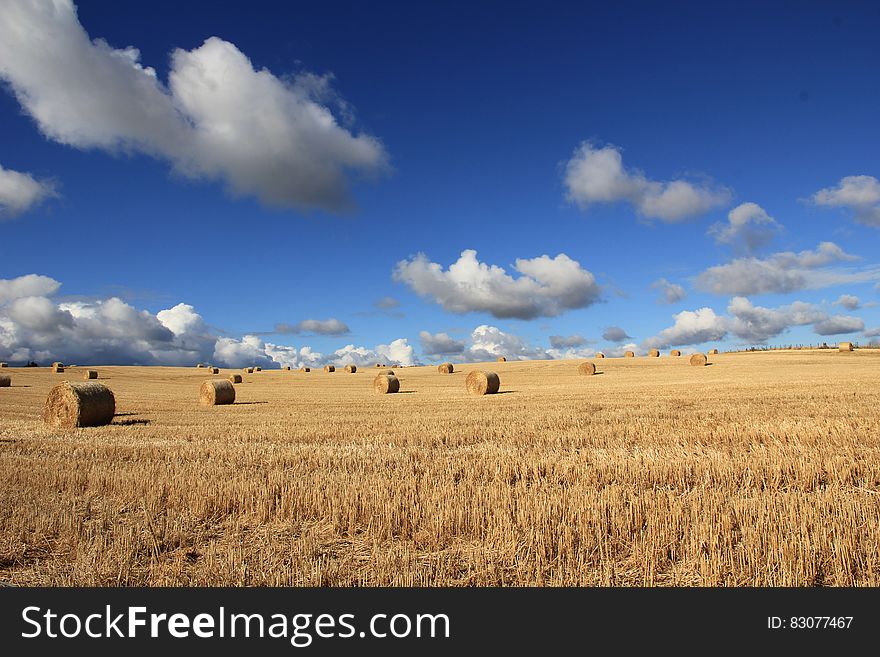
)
(455, 128)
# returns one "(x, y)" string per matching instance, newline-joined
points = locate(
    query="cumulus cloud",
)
(669, 292)
(397, 352)
(440, 344)
(598, 175)
(747, 229)
(872, 332)
(690, 327)
(31, 285)
(567, 341)
(615, 334)
(838, 324)
(861, 194)
(784, 272)
(19, 192)
(848, 301)
(547, 286)
(273, 138)
(758, 324)
(330, 326)
(490, 342)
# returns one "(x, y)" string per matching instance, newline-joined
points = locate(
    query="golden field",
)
(761, 469)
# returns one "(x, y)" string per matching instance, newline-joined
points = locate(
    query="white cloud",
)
(669, 292)
(615, 334)
(19, 192)
(490, 342)
(31, 285)
(547, 286)
(330, 326)
(748, 228)
(872, 332)
(861, 194)
(690, 327)
(567, 341)
(848, 301)
(181, 319)
(440, 344)
(597, 175)
(784, 272)
(758, 324)
(398, 352)
(218, 118)
(838, 324)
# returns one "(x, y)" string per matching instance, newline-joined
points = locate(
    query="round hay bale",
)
(215, 370)
(446, 368)
(380, 372)
(234, 378)
(248, 370)
(845, 346)
(654, 353)
(329, 368)
(286, 368)
(587, 368)
(385, 384)
(90, 374)
(712, 352)
(482, 382)
(72, 405)
(351, 369)
(305, 369)
(502, 359)
(599, 354)
(199, 366)
(4, 364)
(378, 365)
(216, 392)
(629, 354)
(675, 352)
(258, 369)
(58, 369)
(5, 381)
(698, 360)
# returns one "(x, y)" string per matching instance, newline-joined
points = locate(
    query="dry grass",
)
(760, 469)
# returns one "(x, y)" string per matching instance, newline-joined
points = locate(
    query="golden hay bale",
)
(215, 392)
(199, 365)
(215, 370)
(712, 352)
(599, 354)
(4, 364)
(248, 370)
(845, 346)
(305, 369)
(675, 352)
(57, 363)
(502, 359)
(587, 368)
(629, 354)
(380, 372)
(258, 369)
(234, 378)
(482, 382)
(654, 353)
(698, 360)
(386, 384)
(90, 374)
(329, 368)
(286, 368)
(351, 369)
(72, 405)
(5, 381)
(446, 368)
(378, 365)
(58, 369)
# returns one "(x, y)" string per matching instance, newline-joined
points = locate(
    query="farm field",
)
(761, 469)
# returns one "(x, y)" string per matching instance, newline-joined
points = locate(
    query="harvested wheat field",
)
(759, 469)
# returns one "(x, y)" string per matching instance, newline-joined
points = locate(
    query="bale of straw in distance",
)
(502, 359)
(587, 368)
(381, 372)
(446, 368)
(248, 370)
(482, 382)
(5, 381)
(215, 392)
(675, 352)
(215, 370)
(351, 369)
(90, 374)
(286, 368)
(199, 365)
(305, 369)
(57, 363)
(72, 405)
(386, 384)
(845, 346)
(329, 368)
(58, 369)
(713, 352)
(698, 360)
(378, 365)
(4, 364)
(629, 354)
(654, 353)
(234, 378)
(599, 354)
(258, 369)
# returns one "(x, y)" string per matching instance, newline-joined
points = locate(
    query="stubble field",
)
(761, 469)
